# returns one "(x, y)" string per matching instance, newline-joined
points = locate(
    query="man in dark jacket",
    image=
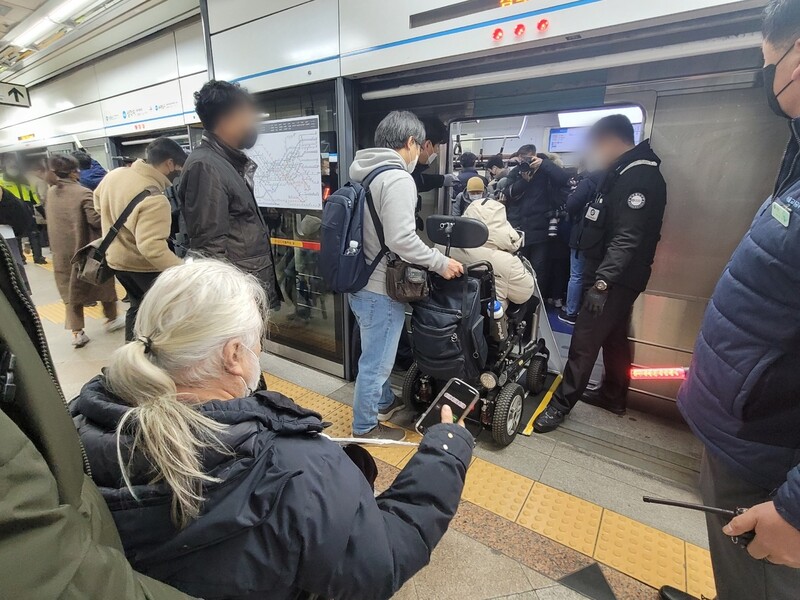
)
(216, 187)
(620, 232)
(741, 395)
(530, 204)
(92, 172)
(290, 512)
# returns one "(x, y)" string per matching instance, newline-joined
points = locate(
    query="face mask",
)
(475, 196)
(249, 139)
(173, 175)
(769, 86)
(431, 158)
(412, 165)
(251, 385)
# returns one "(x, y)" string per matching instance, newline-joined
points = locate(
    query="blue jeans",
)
(577, 262)
(380, 320)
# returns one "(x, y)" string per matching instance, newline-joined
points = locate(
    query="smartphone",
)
(459, 396)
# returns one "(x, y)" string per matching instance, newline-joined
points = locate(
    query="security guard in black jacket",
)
(621, 229)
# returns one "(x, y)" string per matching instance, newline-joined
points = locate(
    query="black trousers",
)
(608, 331)
(738, 575)
(539, 256)
(136, 285)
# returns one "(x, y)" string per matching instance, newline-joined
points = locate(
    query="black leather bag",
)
(406, 282)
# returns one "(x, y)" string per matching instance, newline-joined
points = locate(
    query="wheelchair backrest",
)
(456, 232)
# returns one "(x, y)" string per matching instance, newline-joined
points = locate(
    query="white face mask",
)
(254, 379)
(431, 158)
(412, 165)
(475, 196)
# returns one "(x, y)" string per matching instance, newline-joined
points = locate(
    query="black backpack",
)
(447, 330)
(342, 262)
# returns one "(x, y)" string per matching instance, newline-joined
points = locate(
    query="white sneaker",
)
(80, 339)
(115, 324)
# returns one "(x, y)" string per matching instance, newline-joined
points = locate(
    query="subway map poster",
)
(289, 173)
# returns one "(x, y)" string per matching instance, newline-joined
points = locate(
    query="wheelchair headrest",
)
(460, 232)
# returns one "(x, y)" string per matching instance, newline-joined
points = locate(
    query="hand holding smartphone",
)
(453, 403)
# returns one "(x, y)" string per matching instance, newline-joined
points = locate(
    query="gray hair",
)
(395, 129)
(184, 322)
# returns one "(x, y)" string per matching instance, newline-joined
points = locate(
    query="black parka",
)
(292, 514)
(222, 218)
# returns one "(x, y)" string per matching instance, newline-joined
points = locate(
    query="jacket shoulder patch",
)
(636, 200)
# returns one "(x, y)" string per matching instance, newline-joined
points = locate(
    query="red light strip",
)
(660, 373)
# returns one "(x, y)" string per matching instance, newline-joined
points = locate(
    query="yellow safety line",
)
(542, 405)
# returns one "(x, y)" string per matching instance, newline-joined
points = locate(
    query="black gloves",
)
(594, 301)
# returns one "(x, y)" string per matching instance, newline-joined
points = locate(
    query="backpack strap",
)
(373, 211)
(114, 230)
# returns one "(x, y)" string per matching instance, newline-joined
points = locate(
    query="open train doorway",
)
(489, 149)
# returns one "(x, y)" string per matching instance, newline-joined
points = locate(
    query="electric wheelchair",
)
(454, 334)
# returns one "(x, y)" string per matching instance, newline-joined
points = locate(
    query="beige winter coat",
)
(513, 281)
(141, 245)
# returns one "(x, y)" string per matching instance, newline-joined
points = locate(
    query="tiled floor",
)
(532, 513)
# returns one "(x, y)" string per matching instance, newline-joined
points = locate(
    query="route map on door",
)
(289, 171)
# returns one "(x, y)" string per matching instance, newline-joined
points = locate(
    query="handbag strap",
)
(373, 211)
(114, 230)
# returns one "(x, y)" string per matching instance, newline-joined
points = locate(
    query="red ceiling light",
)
(543, 25)
(497, 35)
(519, 30)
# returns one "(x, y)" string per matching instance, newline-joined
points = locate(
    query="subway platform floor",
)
(551, 517)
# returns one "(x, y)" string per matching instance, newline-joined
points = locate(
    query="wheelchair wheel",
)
(507, 413)
(537, 374)
(418, 390)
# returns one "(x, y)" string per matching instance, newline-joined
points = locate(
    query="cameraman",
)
(529, 203)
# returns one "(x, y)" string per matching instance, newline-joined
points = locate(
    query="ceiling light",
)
(34, 33)
(587, 118)
(67, 10)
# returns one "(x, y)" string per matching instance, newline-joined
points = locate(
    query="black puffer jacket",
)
(292, 513)
(221, 214)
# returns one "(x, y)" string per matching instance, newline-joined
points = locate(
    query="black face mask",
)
(173, 175)
(249, 139)
(769, 86)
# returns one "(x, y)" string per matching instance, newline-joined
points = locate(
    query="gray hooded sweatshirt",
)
(395, 196)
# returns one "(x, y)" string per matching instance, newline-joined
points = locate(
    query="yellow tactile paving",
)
(562, 517)
(699, 576)
(55, 313)
(642, 552)
(496, 489)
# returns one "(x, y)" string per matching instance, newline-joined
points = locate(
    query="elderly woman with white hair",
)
(224, 492)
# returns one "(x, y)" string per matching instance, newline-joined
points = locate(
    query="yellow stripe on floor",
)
(542, 405)
(642, 552)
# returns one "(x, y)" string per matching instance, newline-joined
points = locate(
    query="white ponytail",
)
(185, 320)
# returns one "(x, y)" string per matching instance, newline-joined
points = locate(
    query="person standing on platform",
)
(13, 181)
(140, 251)
(72, 225)
(741, 394)
(621, 230)
(380, 318)
(92, 172)
(222, 216)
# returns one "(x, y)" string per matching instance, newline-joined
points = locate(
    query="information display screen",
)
(459, 9)
(573, 139)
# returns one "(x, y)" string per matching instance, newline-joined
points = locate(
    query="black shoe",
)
(381, 432)
(384, 414)
(40, 261)
(549, 420)
(670, 593)
(567, 318)
(595, 398)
